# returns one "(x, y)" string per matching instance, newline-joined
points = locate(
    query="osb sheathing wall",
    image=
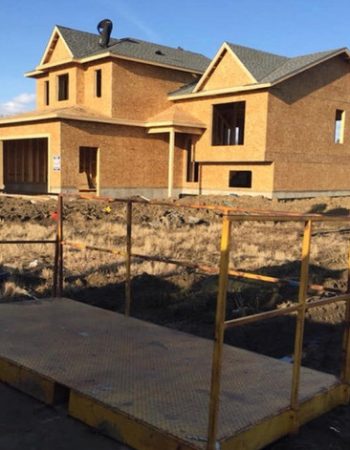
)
(76, 88)
(140, 90)
(216, 178)
(128, 156)
(227, 74)
(101, 104)
(253, 148)
(301, 127)
(60, 52)
(49, 129)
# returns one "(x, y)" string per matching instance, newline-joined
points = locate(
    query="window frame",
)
(339, 126)
(98, 83)
(63, 87)
(47, 92)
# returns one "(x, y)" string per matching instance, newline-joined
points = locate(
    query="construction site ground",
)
(179, 299)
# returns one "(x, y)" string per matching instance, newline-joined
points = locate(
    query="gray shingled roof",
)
(83, 44)
(268, 67)
(298, 63)
(257, 62)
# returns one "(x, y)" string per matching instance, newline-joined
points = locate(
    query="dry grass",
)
(255, 247)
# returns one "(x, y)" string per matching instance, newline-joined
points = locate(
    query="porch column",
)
(2, 165)
(171, 162)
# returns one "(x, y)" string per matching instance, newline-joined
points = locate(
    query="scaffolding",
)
(290, 419)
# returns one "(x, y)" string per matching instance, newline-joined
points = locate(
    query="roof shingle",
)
(269, 68)
(83, 44)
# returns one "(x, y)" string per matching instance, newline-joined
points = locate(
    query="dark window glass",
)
(63, 87)
(240, 178)
(98, 83)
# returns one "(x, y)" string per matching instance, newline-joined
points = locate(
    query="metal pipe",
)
(299, 332)
(219, 335)
(128, 258)
(60, 244)
(285, 311)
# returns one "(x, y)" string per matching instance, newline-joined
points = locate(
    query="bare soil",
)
(185, 299)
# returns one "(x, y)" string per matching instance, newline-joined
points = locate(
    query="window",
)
(63, 87)
(47, 93)
(192, 167)
(339, 126)
(240, 178)
(228, 124)
(98, 83)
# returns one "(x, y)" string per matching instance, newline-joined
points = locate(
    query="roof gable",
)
(265, 70)
(228, 71)
(56, 50)
(224, 60)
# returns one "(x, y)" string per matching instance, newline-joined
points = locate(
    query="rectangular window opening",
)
(240, 178)
(339, 126)
(98, 83)
(63, 87)
(47, 93)
(228, 124)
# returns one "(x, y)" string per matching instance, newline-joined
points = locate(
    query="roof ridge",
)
(256, 50)
(116, 41)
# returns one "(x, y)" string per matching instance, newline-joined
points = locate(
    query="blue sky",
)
(287, 27)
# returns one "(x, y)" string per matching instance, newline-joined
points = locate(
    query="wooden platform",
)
(146, 385)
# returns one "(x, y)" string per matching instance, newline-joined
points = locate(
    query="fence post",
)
(60, 244)
(345, 370)
(299, 331)
(214, 402)
(55, 269)
(128, 257)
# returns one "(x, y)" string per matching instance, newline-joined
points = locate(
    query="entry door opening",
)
(88, 168)
(25, 165)
(192, 166)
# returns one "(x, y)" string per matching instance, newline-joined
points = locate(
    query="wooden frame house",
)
(136, 118)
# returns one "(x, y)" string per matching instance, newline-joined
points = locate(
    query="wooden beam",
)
(171, 162)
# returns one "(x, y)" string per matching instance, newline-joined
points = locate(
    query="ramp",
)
(148, 386)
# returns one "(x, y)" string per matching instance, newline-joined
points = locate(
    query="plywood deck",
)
(154, 377)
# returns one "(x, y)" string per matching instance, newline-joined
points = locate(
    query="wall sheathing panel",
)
(228, 73)
(215, 178)
(140, 90)
(301, 129)
(253, 148)
(129, 158)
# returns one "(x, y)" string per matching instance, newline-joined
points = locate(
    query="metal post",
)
(345, 370)
(128, 258)
(299, 332)
(57, 249)
(219, 334)
(60, 244)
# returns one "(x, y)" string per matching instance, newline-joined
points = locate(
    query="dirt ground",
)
(185, 299)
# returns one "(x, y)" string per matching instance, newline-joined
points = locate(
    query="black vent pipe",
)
(105, 29)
